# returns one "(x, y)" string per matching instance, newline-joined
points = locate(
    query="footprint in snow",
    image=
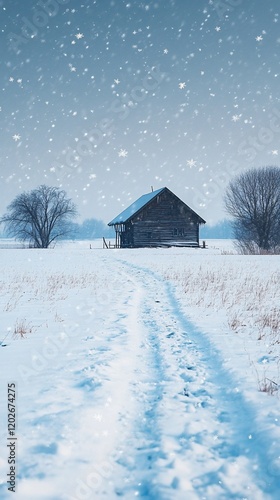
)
(88, 384)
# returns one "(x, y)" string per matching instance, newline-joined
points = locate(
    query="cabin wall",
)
(148, 233)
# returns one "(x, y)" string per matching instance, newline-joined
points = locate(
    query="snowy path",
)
(198, 437)
(130, 401)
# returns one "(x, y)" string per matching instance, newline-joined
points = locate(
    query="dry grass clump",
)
(22, 328)
(269, 323)
(268, 386)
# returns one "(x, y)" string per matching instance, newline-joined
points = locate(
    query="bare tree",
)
(40, 217)
(253, 200)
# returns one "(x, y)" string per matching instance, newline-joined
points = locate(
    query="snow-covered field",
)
(146, 373)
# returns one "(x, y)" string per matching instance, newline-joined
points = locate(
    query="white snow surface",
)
(149, 373)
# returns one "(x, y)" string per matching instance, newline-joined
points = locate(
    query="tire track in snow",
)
(195, 436)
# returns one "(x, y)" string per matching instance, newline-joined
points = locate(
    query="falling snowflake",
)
(79, 36)
(235, 118)
(165, 51)
(123, 153)
(16, 137)
(11, 79)
(274, 152)
(117, 81)
(97, 416)
(218, 28)
(182, 85)
(191, 163)
(259, 38)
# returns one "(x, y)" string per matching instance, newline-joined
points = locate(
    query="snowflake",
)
(235, 118)
(218, 28)
(182, 85)
(117, 81)
(123, 153)
(259, 38)
(98, 417)
(165, 51)
(191, 163)
(11, 79)
(92, 176)
(274, 152)
(79, 36)
(16, 137)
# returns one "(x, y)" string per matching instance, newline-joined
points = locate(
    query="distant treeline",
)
(90, 229)
(221, 230)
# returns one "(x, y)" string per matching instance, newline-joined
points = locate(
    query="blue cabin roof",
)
(135, 207)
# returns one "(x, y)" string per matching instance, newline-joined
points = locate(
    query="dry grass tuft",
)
(268, 386)
(22, 328)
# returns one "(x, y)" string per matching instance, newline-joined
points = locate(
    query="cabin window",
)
(178, 231)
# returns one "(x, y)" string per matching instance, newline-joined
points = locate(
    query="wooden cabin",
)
(157, 219)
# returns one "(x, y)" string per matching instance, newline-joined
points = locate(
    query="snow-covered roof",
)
(135, 207)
